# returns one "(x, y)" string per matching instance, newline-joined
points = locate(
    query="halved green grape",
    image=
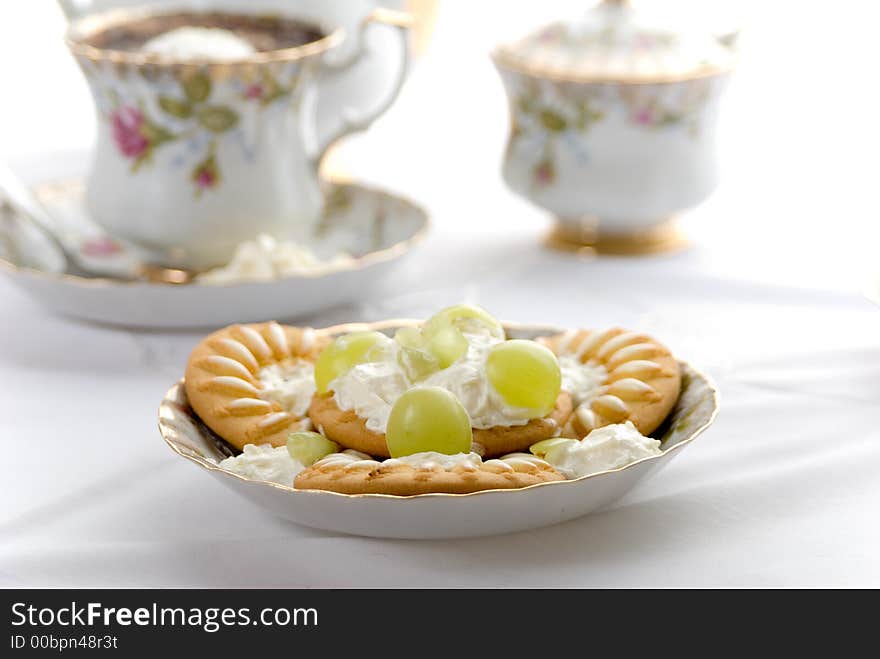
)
(447, 344)
(343, 354)
(410, 337)
(465, 317)
(428, 419)
(526, 374)
(418, 363)
(414, 356)
(309, 447)
(544, 447)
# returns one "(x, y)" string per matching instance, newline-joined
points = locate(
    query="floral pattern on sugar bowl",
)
(190, 117)
(548, 116)
(632, 154)
(613, 121)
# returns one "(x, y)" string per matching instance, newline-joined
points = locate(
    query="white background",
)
(783, 490)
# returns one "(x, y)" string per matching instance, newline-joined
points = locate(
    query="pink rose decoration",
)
(545, 172)
(206, 175)
(100, 247)
(206, 179)
(127, 122)
(644, 116)
(253, 91)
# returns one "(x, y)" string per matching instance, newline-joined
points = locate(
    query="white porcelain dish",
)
(441, 515)
(375, 227)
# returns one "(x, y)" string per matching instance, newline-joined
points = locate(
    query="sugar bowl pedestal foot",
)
(587, 235)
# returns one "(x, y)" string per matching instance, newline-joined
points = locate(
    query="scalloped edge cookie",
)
(223, 385)
(354, 472)
(642, 384)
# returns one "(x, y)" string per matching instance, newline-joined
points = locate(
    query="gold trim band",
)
(80, 30)
(507, 61)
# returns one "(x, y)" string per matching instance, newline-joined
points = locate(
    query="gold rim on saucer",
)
(66, 187)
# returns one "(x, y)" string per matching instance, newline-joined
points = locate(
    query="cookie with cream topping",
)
(614, 376)
(351, 430)
(253, 384)
(353, 472)
(510, 390)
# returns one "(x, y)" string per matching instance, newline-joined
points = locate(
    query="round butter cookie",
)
(613, 376)
(353, 472)
(346, 428)
(252, 384)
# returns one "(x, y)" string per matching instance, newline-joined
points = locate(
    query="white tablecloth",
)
(782, 490)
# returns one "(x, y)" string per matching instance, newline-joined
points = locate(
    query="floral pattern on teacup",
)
(100, 247)
(186, 110)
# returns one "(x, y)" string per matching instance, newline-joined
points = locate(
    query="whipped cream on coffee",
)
(208, 43)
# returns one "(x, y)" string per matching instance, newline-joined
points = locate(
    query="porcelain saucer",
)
(423, 516)
(375, 227)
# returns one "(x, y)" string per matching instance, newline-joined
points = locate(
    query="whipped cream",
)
(371, 389)
(429, 460)
(433, 460)
(583, 381)
(290, 384)
(264, 463)
(265, 259)
(208, 43)
(606, 448)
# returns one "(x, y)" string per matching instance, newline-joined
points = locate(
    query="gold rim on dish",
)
(355, 263)
(169, 408)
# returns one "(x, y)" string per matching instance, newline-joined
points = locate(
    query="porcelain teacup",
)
(195, 155)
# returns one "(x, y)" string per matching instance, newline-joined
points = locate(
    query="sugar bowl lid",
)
(616, 42)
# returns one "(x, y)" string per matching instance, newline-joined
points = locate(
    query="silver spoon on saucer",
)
(19, 197)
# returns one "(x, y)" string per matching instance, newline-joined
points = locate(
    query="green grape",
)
(417, 363)
(526, 374)
(409, 337)
(545, 446)
(309, 447)
(414, 357)
(428, 419)
(447, 344)
(464, 317)
(343, 354)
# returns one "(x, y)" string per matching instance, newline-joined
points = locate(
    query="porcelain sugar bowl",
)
(613, 124)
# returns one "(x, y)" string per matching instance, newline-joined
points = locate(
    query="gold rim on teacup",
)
(81, 30)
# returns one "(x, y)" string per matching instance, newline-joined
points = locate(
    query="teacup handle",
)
(348, 119)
